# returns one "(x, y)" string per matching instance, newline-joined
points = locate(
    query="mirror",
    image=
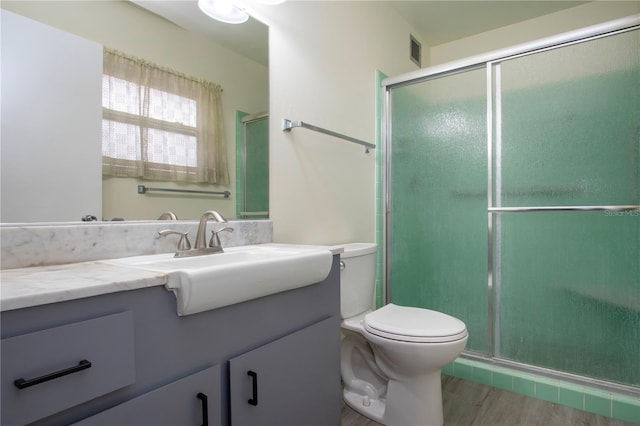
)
(173, 34)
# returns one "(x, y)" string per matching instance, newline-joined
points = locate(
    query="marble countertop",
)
(39, 285)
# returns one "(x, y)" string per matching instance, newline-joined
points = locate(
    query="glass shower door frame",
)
(495, 208)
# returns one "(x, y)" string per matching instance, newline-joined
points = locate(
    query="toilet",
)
(391, 358)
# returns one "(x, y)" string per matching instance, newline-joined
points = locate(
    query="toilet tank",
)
(357, 278)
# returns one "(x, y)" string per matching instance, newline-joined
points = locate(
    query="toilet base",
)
(405, 408)
(375, 409)
(415, 402)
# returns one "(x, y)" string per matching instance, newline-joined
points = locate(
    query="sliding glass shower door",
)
(568, 281)
(439, 191)
(513, 193)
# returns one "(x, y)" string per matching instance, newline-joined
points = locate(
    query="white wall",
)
(323, 61)
(126, 27)
(323, 57)
(555, 23)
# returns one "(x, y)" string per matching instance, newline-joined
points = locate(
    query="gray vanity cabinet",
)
(149, 365)
(193, 400)
(285, 380)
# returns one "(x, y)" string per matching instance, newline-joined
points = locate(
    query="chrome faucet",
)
(184, 246)
(201, 236)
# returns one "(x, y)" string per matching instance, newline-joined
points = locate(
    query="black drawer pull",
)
(205, 409)
(22, 383)
(254, 388)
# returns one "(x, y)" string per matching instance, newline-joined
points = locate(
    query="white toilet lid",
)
(414, 325)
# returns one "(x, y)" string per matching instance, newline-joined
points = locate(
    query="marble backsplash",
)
(55, 244)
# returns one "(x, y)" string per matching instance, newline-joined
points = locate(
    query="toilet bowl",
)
(392, 357)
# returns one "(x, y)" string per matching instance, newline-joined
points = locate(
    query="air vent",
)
(415, 51)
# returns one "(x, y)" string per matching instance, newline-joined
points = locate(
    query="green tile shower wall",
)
(567, 284)
(610, 404)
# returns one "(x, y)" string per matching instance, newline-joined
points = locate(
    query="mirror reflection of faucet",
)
(168, 215)
(201, 248)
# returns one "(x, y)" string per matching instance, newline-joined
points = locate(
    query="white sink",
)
(238, 274)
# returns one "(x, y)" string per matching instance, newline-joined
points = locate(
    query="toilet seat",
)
(417, 325)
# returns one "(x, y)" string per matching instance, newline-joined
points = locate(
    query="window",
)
(161, 125)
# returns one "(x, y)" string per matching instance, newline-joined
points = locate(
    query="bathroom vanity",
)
(124, 356)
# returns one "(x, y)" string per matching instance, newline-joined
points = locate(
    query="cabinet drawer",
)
(193, 400)
(107, 343)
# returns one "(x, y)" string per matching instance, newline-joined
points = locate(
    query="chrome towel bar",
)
(632, 210)
(287, 125)
(144, 189)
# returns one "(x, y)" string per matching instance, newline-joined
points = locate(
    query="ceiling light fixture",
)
(223, 10)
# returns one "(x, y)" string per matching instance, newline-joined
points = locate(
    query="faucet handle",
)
(183, 243)
(215, 241)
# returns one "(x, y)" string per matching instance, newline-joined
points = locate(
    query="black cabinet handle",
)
(22, 383)
(205, 408)
(254, 387)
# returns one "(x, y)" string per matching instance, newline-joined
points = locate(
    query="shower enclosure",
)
(513, 200)
(252, 167)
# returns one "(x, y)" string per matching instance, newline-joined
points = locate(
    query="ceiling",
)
(249, 39)
(436, 22)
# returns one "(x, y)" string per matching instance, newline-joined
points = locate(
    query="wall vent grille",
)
(415, 50)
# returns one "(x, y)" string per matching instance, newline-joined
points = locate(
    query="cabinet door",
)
(193, 400)
(294, 380)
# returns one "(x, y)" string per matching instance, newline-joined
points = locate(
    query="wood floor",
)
(469, 403)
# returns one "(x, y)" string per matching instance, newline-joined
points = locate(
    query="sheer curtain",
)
(159, 124)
